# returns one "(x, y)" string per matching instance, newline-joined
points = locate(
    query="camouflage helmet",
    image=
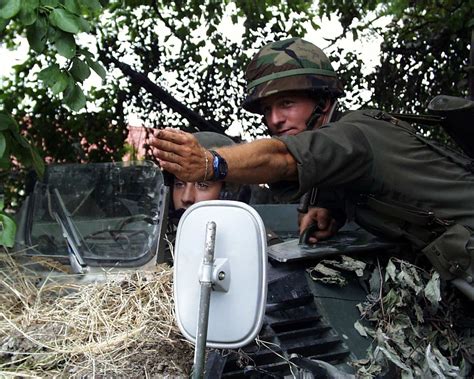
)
(289, 65)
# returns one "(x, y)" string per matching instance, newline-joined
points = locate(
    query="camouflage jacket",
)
(397, 184)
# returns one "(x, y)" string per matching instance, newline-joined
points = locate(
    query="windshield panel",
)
(109, 213)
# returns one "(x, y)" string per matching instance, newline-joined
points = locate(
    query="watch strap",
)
(219, 166)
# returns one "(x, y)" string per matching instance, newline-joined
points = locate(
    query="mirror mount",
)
(221, 275)
(206, 282)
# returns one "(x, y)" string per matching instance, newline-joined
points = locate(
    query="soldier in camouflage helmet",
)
(294, 86)
(292, 72)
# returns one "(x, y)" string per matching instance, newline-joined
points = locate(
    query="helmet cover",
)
(289, 65)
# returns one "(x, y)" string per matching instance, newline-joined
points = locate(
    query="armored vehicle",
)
(96, 218)
(319, 303)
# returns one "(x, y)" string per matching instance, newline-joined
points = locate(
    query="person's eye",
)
(202, 185)
(287, 103)
(265, 111)
(178, 184)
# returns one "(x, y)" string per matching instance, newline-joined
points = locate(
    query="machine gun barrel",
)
(143, 81)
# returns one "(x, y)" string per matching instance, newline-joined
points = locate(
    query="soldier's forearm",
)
(262, 161)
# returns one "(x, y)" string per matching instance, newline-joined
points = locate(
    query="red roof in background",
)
(137, 137)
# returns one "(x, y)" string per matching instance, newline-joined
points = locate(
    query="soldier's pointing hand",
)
(181, 154)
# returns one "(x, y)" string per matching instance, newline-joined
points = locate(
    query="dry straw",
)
(54, 326)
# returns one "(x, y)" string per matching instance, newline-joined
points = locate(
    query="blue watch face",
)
(220, 166)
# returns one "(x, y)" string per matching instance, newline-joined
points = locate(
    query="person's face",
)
(286, 113)
(186, 194)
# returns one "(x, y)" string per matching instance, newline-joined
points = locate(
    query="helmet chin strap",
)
(318, 112)
(314, 117)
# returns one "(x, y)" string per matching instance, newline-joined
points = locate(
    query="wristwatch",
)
(219, 165)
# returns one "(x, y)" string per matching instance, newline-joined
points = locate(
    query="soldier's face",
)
(186, 194)
(286, 113)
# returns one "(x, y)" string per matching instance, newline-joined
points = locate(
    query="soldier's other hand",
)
(181, 154)
(327, 225)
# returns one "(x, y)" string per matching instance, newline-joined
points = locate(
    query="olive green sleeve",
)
(333, 156)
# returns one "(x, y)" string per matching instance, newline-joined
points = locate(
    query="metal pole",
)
(204, 301)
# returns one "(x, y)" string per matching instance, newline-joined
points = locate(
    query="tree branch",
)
(154, 4)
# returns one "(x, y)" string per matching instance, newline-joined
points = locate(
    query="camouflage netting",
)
(420, 327)
(122, 327)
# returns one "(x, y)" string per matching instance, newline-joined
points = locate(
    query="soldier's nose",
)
(275, 119)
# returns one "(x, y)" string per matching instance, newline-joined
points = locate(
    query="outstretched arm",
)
(262, 161)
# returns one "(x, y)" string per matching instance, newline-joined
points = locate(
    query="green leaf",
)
(9, 8)
(65, 44)
(54, 78)
(73, 6)
(92, 5)
(65, 20)
(50, 75)
(391, 356)
(28, 12)
(7, 231)
(84, 25)
(79, 70)
(52, 31)
(98, 68)
(22, 142)
(3, 144)
(7, 122)
(26, 153)
(5, 163)
(87, 54)
(432, 290)
(27, 17)
(3, 24)
(74, 97)
(314, 25)
(37, 161)
(50, 3)
(36, 34)
(24, 158)
(30, 4)
(391, 271)
(355, 34)
(62, 81)
(360, 328)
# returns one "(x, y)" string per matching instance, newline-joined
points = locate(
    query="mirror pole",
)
(204, 301)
